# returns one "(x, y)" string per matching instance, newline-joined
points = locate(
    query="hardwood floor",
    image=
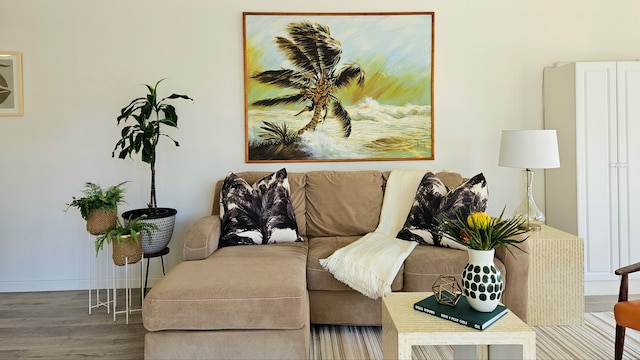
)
(599, 303)
(602, 303)
(56, 325)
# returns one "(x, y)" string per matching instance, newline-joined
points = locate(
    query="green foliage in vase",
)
(479, 231)
(95, 197)
(120, 232)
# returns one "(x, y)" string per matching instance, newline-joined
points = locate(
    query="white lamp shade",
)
(531, 149)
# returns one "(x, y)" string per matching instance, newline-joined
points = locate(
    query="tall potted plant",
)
(149, 114)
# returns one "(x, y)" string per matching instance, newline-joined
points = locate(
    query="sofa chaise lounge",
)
(260, 301)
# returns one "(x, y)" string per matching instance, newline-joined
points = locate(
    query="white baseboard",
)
(609, 287)
(43, 285)
(64, 285)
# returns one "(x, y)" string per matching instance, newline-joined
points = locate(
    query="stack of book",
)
(461, 313)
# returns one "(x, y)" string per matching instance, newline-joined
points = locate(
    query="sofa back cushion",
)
(341, 203)
(334, 203)
(450, 179)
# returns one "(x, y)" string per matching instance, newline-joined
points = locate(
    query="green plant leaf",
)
(478, 237)
(96, 197)
(143, 138)
(177, 96)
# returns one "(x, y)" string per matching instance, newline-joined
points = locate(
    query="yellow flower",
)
(479, 231)
(479, 221)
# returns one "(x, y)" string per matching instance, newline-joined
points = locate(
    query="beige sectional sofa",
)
(260, 301)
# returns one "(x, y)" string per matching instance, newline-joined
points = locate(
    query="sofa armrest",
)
(516, 291)
(202, 238)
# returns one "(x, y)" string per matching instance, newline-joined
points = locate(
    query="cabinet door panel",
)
(604, 150)
(628, 89)
(596, 98)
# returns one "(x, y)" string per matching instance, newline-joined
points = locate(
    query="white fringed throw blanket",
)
(370, 264)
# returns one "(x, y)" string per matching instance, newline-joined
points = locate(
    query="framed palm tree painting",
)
(338, 87)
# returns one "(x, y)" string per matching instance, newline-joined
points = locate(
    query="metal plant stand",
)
(128, 290)
(101, 259)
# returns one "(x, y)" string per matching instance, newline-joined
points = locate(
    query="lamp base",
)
(528, 210)
(531, 226)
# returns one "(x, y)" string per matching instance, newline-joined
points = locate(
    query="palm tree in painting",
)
(314, 54)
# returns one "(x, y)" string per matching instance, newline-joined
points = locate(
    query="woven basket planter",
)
(126, 252)
(164, 218)
(100, 221)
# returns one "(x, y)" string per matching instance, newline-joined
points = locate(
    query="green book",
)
(462, 313)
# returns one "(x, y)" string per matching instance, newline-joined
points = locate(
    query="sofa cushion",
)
(258, 214)
(227, 345)
(237, 287)
(320, 279)
(343, 203)
(297, 184)
(344, 308)
(451, 179)
(426, 263)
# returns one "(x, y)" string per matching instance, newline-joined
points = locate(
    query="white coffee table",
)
(404, 327)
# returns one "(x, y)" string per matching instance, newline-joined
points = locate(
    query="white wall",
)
(84, 60)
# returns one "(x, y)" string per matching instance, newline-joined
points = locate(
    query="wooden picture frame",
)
(338, 86)
(11, 101)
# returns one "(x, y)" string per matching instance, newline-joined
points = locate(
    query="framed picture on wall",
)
(11, 103)
(338, 86)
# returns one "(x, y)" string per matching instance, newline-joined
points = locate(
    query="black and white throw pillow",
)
(469, 196)
(429, 196)
(261, 213)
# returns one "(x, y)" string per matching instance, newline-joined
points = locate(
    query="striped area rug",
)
(593, 340)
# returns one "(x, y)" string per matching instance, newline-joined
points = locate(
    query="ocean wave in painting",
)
(379, 131)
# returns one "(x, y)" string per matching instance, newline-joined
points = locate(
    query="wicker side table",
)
(556, 278)
(404, 327)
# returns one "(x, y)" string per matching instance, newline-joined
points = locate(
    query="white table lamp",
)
(529, 149)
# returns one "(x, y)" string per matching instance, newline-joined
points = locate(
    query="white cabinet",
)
(595, 108)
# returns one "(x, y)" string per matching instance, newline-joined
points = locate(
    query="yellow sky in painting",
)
(393, 50)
